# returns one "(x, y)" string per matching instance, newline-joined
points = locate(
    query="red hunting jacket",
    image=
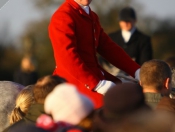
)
(76, 37)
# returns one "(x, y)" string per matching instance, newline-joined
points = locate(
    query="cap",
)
(127, 14)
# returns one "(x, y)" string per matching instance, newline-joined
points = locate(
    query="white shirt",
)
(127, 34)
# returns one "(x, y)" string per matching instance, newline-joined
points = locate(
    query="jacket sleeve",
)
(116, 55)
(64, 42)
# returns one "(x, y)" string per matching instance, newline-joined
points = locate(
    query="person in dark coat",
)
(23, 127)
(136, 44)
(120, 102)
(26, 74)
(41, 89)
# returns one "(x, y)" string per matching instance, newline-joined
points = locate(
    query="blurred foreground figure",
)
(72, 110)
(22, 127)
(120, 103)
(8, 93)
(41, 89)
(125, 110)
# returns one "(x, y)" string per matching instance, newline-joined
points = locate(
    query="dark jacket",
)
(138, 47)
(25, 78)
(72, 128)
(34, 112)
(166, 104)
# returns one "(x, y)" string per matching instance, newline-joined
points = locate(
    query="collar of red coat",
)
(78, 7)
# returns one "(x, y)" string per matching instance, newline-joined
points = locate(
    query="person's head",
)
(66, 104)
(44, 86)
(27, 64)
(155, 76)
(84, 2)
(120, 102)
(123, 99)
(8, 93)
(127, 18)
(23, 102)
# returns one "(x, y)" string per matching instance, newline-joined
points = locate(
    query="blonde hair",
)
(23, 102)
(44, 86)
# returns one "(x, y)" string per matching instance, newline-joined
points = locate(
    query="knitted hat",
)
(127, 14)
(123, 98)
(66, 104)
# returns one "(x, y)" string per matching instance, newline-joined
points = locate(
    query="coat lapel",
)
(133, 37)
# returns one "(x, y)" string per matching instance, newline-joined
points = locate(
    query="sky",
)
(160, 8)
(17, 13)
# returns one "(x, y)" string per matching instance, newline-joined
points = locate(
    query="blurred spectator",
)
(125, 110)
(144, 122)
(8, 93)
(155, 78)
(136, 44)
(41, 89)
(23, 102)
(27, 73)
(70, 109)
(120, 102)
